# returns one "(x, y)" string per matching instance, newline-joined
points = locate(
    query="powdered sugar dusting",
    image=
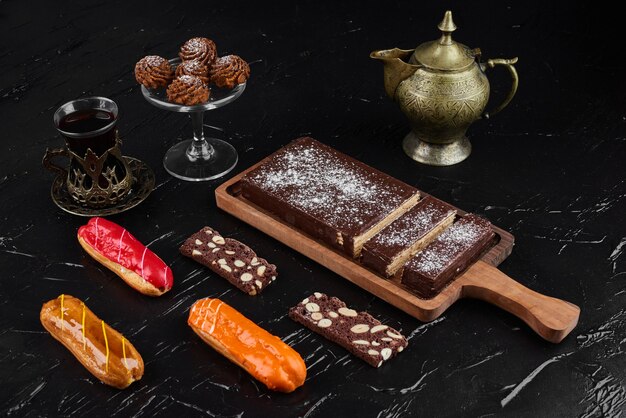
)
(154, 61)
(452, 243)
(191, 80)
(227, 60)
(193, 68)
(195, 45)
(324, 184)
(411, 226)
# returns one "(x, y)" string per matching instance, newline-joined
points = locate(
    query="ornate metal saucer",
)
(143, 184)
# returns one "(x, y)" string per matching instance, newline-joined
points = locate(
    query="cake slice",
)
(387, 251)
(327, 194)
(358, 332)
(427, 273)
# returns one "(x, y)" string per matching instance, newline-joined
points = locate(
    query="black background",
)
(550, 169)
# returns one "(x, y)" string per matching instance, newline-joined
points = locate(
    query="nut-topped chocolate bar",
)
(231, 259)
(327, 194)
(358, 332)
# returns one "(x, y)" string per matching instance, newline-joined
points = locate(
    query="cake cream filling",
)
(395, 214)
(402, 257)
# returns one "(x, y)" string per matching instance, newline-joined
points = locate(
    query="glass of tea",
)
(87, 123)
(97, 174)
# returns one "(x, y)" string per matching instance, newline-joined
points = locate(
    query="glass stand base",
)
(222, 160)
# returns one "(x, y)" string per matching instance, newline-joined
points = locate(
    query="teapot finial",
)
(446, 26)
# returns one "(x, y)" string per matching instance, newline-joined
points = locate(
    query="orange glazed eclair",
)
(266, 357)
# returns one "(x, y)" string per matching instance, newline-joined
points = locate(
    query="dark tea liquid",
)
(85, 121)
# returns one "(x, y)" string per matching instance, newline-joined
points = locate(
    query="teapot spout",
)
(396, 69)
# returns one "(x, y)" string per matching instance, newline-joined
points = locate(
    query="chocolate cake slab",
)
(327, 194)
(431, 269)
(388, 250)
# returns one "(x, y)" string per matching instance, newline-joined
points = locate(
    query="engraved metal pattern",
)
(105, 186)
(142, 185)
(441, 109)
(442, 90)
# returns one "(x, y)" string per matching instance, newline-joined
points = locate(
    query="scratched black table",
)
(550, 169)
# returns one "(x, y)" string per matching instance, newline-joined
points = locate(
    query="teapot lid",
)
(444, 53)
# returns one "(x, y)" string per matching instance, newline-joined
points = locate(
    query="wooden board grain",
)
(552, 318)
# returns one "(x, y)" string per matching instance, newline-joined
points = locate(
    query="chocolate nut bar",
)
(453, 251)
(358, 332)
(234, 261)
(327, 194)
(387, 251)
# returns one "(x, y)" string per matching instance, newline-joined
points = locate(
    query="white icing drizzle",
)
(143, 256)
(206, 306)
(119, 253)
(215, 318)
(96, 241)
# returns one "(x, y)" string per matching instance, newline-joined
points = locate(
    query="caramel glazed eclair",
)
(102, 350)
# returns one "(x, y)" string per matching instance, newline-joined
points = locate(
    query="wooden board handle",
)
(549, 317)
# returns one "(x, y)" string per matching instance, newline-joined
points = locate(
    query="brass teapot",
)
(442, 89)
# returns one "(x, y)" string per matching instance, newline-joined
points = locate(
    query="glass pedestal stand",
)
(198, 158)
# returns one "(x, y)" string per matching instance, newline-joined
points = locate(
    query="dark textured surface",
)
(550, 169)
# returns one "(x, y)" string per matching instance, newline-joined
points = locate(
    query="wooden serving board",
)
(551, 318)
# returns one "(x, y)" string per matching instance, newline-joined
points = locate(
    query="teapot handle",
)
(509, 65)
